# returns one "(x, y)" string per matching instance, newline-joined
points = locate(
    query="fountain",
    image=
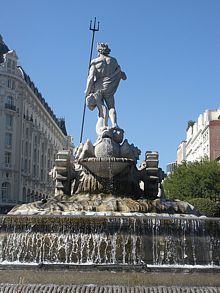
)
(109, 227)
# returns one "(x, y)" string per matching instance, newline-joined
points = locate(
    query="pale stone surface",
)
(84, 151)
(102, 83)
(106, 167)
(62, 205)
(106, 172)
(202, 138)
(107, 147)
(28, 123)
(35, 288)
(62, 172)
(130, 151)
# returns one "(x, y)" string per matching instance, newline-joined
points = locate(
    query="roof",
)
(3, 49)
(59, 121)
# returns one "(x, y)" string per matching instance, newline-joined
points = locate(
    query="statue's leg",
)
(99, 126)
(102, 122)
(110, 102)
(113, 117)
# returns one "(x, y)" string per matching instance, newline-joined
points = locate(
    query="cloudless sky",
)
(169, 49)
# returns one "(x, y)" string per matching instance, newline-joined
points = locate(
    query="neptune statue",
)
(102, 83)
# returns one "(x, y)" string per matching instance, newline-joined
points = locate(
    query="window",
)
(13, 64)
(10, 103)
(13, 85)
(26, 148)
(9, 120)
(5, 191)
(41, 175)
(35, 155)
(9, 63)
(25, 165)
(28, 195)
(10, 100)
(8, 139)
(9, 83)
(32, 195)
(34, 171)
(7, 158)
(24, 194)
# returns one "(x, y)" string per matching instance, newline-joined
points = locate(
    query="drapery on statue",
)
(102, 83)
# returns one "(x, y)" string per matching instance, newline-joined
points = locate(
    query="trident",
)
(93, 29)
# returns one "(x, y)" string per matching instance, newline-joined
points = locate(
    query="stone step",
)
(61, 162)
(60, 177)
(34, 288)
(152, 171)
(152, 163)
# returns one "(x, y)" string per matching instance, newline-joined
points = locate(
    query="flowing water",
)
(104, 240)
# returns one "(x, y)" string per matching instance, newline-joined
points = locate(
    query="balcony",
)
(28, 118)
(10, 107)
(7, 166)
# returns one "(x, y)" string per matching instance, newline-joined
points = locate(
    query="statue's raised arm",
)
(102, 83)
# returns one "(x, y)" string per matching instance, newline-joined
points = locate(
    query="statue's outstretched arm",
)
(90, 80)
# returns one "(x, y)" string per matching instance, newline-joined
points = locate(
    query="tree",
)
(190, 123)
(194, 180)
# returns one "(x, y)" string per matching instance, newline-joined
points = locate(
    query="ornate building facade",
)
(202, 138)
(30, 135)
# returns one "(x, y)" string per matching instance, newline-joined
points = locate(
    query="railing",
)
(10, 107)
(28, 118)
(8, 165)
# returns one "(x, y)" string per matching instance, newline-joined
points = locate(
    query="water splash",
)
(157, 241)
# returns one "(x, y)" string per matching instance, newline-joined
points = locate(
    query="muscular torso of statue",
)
(105, 66)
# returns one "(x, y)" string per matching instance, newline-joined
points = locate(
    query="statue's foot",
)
(107, 133)
(104, 128)
(115, 125)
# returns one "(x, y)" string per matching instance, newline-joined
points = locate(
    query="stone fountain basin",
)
(119, 240)
(106, 167)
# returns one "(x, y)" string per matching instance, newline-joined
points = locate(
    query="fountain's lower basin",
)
(83, 280)
(108, 240)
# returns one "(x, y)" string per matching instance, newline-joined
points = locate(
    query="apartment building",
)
(30, 135)
(202, 138)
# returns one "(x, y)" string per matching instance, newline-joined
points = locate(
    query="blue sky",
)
(169, 49)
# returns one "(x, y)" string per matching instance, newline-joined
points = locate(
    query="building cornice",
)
(31, 92)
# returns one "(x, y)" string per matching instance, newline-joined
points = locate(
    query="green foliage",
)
(194, 180)
(206, 207)
(190, 123)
